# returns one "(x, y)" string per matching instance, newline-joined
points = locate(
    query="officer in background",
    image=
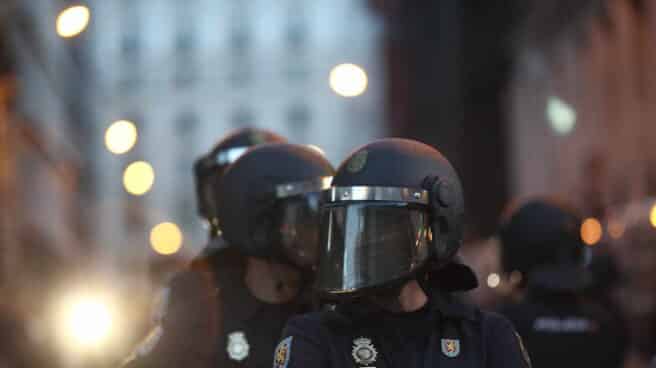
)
(229, 307)
(543, 254)
(209, 169)
(390, 227)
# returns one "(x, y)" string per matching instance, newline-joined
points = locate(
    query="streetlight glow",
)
(348, 80)
(166, 238)
(72, 21)
(138, 178)
(493, 280)
(121, 136)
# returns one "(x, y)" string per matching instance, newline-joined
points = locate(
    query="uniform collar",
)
(448, 307)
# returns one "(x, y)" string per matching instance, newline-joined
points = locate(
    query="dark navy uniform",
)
(212, 320)
(556, 325)
(439, 335)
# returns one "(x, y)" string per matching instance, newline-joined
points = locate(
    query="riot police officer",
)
(542, 251)
(229, 308)
(390, 227)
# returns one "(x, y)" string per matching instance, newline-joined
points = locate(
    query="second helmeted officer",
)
(230, 306)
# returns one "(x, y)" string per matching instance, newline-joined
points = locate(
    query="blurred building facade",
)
(582, 105)
(186, 73)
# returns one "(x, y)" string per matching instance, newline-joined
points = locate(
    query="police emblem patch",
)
(357, 162)
(364, 352)
(257, 138)
(281, 356)
(451, 347)
(238, 347)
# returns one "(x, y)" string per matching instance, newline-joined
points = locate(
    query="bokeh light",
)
(591, 231)
(561, 115)
(317, 148)
(615, 229)
(87, 322)
(348, 80)
(493, 280)
(138, 178)
(166, 238)
(121, 136)
(72, 21)
(515, 277)
(652, 215)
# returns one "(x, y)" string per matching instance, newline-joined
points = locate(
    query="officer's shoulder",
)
(522, 311)
(313, 324)
(486, 320)
(311, 320)
(191, 282)
(493, 318)
(495, 324)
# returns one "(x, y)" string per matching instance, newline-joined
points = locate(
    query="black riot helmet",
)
(269, 202)
(541, 244)
(209, 168)
(395, 207)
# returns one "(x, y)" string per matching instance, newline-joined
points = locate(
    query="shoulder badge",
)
(281, 356)
(238, 347)
(525, 356)
(364, 353)
(451, 347)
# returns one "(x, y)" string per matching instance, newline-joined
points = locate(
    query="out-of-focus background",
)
(105, 104)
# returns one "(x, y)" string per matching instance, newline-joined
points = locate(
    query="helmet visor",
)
(366, 244)
(297, 220)
(207, 178)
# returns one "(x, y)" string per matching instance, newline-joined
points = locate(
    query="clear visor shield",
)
(297, 221)
(367, 244)
(296, 216)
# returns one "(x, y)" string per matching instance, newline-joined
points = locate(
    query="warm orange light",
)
(652, 215)
(591, 231)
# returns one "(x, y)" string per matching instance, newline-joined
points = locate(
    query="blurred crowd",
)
(620, 261)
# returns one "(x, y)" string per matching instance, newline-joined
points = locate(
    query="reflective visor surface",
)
(365, 244)
(297, 222)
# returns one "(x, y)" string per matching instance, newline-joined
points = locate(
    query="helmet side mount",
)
(446, 211)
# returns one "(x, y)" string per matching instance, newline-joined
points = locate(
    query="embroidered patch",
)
(238, 347)
(281, 356)
(451, 347)
(257, 138)
(357, 162)
(527, 358)
(364, 353)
